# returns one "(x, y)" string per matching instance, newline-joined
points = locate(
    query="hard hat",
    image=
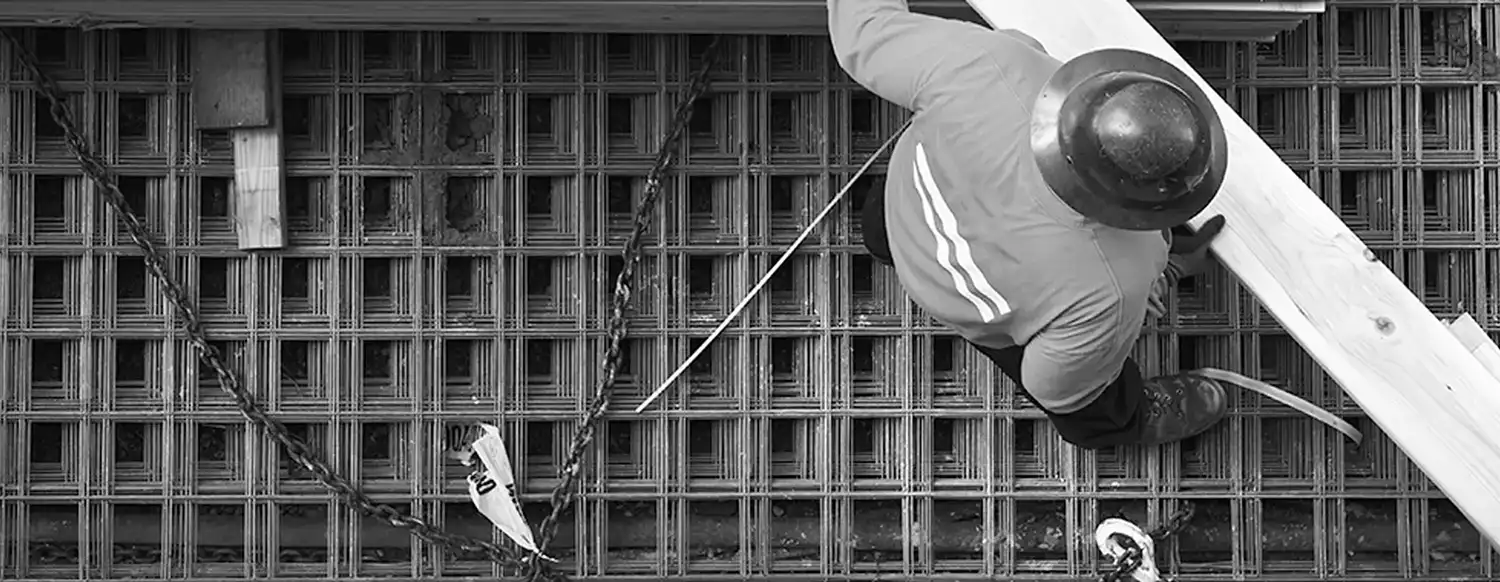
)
(1128, 140)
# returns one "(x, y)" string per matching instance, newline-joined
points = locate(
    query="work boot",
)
(1180, 406)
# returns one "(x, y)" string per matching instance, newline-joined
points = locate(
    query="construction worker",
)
(1031, 207)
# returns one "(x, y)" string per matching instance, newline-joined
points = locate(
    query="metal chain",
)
(562, 495)
(1133, 557)
(156, 262)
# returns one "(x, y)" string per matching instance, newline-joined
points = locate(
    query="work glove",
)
(1156, 302)
(1188, 254)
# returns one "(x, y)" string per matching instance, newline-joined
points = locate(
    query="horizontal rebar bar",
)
(954, 527)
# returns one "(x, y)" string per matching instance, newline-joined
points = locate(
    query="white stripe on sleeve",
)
(945, 228)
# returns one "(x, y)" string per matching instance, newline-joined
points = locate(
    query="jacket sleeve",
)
(906, 58)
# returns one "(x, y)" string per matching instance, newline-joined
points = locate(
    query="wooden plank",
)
(1477, 342)
(259, 188)
(231, 79)
(236, 85)
(1351, 313)
(1225, 20)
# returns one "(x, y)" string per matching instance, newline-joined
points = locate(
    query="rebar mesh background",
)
(456, 201)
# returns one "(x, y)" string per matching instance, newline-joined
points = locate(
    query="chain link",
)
(1133, 557)
(350, 493)
(562, 495)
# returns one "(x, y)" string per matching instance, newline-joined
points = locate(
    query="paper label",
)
(492, 488)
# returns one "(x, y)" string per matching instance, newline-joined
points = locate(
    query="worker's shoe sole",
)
(1179, 407)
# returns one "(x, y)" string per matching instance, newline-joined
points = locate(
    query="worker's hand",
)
(1188, 243)
(1156, 302)
(1189, 254)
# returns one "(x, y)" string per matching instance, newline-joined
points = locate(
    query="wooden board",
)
(231, 79)
(259, 188)
(1477, 342)
(237, 85)
(1351, 313)
(1217, 19)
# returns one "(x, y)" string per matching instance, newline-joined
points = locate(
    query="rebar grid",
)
(456, 201)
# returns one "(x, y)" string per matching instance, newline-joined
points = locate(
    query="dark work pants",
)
(1112, 419)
